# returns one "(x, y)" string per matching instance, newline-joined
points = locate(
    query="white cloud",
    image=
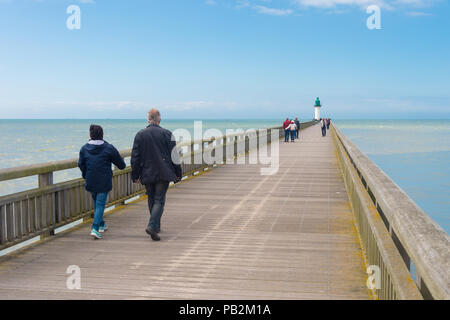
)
(110, 107)
(418, 14)
(390, 4)
(80, 1)
(414, 2)
(242, 4)
(327, 4)
(198, 105)
(272, 11)
(331, 6)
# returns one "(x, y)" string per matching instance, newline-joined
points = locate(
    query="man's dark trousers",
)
(156, 199)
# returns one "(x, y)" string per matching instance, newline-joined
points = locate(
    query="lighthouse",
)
(317, 109)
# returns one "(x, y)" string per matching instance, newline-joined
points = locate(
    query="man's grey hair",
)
(154, 117)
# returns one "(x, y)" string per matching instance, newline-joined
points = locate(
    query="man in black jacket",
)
(155, 163)
(95, 161)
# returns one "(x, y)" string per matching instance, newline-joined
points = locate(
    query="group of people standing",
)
(291, 129)
(152, 162)
(324, 125)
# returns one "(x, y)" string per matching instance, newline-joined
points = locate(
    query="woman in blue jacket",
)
(95, 161)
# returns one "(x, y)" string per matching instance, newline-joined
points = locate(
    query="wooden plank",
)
(43, 211)
(52, 209)
(90, 201)
(85, 197)
(17, 219)
(25, 218)
(67, 204)
(76, 201)
(10, 222)
(32, 214)
(3, 237)
(129, 183)
(60, 206)
(73, 200)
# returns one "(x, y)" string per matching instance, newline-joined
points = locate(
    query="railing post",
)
(236, 146)
(213, 151)
(192, 156)
(247, 143)
(45, 179)
(224, 148)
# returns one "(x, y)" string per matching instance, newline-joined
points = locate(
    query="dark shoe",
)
(152, 234)
(158, 230)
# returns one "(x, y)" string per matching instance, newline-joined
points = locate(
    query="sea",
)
(414, 153)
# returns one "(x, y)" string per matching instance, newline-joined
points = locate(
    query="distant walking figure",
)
(286, 124)
(297, 131)
(328, 123)
(323, 126)
(292, 129)
(95, 162)
(155, 165)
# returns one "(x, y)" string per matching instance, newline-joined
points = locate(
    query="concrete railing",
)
(394, 231)
(38, 212)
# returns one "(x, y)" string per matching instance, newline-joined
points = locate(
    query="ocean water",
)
(25, 142)
(414, 153)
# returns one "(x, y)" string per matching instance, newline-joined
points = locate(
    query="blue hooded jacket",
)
(95, 165)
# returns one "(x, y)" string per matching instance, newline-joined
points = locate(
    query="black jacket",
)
(95, 165)
(151, 157)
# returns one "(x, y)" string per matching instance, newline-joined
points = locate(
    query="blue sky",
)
(224, 59)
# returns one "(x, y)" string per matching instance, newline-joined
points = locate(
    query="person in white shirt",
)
(293, 129)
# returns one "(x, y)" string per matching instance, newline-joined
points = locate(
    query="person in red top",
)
(286, 124)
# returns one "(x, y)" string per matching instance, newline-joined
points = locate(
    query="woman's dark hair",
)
(96, 132)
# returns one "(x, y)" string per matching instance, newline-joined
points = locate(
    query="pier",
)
(310, 231)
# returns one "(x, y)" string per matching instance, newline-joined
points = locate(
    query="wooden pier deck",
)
(229, 233)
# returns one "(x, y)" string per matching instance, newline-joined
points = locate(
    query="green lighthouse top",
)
(317, 104)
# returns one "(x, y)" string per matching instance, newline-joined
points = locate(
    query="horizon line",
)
(209, 119)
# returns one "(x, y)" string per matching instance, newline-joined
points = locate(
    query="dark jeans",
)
(324, 131)
(293, 134)
(99, 199)
(297, 133)
(286, 135)
(328, 126)
(156, 199)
